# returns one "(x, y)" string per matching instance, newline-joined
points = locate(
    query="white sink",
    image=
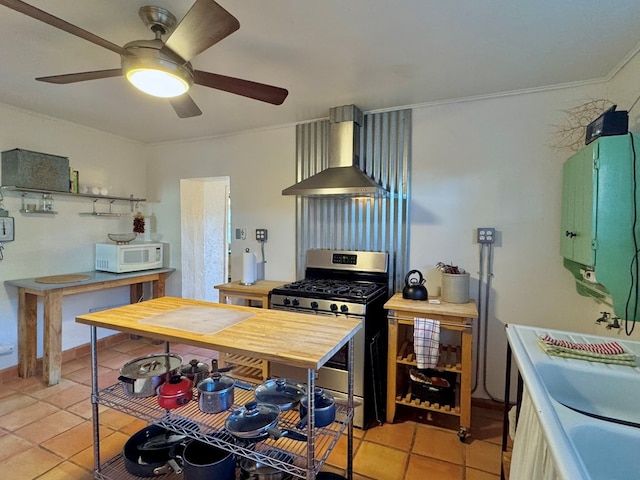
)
(608, 451)
(609, 393)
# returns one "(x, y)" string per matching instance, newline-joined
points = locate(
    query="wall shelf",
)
(24, 192)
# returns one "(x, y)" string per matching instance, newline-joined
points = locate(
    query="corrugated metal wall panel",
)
(373, 223)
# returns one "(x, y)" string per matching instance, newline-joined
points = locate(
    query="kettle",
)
(414, 288)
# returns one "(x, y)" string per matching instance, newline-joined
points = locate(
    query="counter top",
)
(463, 310)
(94, 277)
(261, 287)
(296, 339)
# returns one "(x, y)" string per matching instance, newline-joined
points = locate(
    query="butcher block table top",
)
(261, 287)
(296, 339)
(463, 310)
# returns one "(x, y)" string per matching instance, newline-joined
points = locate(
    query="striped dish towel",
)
(609, 352)
(426, 342)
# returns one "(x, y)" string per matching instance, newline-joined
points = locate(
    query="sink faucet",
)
(604, 318)
(615, 323)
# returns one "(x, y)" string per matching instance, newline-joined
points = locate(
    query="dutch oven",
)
(324, 409)
(258, 421)
(151, 452)
(283, 392)
(142, 376)
(175, 393)
(262, 470)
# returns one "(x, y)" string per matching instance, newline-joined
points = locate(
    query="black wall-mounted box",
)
(607, 124)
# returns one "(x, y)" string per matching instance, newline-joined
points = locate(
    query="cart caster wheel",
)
(462, 434)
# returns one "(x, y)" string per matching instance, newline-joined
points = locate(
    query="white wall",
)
(64, 243)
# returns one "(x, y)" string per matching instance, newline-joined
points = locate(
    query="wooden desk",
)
(249, 368)
(458, 359)
(28, 292)
(260, 291)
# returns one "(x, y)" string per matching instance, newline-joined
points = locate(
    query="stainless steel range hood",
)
(343, 177)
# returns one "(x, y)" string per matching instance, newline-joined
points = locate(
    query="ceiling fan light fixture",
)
(159, 77)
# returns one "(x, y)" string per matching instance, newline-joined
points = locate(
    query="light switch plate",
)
(6, 229)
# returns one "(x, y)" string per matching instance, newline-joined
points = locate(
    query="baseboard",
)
(11, 373)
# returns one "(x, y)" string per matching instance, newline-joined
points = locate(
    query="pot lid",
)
(194, 367)
(151, 365)
(281, 391)
(321, 399)
(216, 383)
(252, 419)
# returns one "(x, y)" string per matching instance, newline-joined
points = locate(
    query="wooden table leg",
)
(465, 379)
(27, 333)
(159, 286)
(392, 370)
(52, 353)
(136, 291)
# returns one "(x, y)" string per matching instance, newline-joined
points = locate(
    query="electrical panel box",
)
(27, 169)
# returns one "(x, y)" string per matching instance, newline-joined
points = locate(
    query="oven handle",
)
(316, 312)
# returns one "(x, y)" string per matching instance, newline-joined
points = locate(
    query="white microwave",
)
(133, 257)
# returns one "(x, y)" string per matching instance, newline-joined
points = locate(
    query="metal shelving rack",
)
(309, 457)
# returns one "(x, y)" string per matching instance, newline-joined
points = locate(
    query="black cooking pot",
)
(324, 409)
(203, 461)
(414, 288)
(151, 452)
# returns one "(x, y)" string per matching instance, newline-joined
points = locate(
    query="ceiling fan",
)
(163, 68)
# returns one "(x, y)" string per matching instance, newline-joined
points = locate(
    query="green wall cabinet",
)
(600, 227)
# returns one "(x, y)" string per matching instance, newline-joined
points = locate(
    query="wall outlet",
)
(8, 348)
(486, 235)
(261, 234)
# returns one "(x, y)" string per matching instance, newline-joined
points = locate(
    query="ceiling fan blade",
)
(204, 25)
(245, 88)
(45, 17)
(81, 76)
(184, 106)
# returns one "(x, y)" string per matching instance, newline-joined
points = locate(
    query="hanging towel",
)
(426, 342)
(608, 352)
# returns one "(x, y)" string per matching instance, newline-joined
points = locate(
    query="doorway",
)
(204, 226)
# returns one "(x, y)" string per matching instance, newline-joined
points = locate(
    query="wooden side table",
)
(247, 368)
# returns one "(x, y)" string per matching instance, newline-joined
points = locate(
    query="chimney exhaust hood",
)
(343, 177)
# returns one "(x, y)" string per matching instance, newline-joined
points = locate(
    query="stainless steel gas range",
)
(340, 284)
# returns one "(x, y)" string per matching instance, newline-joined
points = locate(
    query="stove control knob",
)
(286, 301)
(333, 307)
(344, 308)
(296, 302)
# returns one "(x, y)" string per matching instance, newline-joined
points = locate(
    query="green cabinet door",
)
(579, 196)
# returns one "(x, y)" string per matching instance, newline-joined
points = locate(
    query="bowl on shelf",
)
(122, 238)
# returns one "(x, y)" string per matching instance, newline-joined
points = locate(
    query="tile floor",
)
(46, 432)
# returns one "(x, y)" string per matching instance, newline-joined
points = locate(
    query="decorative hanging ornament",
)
(138, 223)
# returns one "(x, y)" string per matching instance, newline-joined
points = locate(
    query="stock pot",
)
(142, 376)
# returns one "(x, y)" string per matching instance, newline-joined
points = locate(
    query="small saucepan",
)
(215, 394)
(324, 409)
(258, 421)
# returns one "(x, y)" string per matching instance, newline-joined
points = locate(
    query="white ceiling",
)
(376, 54)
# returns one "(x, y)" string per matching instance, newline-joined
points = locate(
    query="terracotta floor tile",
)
(396, 435)
(15, 402)
(115, 420)
(67, 471)
(117, 361)
(74, 440)
(25, 384)
(48, 427)
(487, 428)
(70, 396)
(11, 445)
(129, 345)
(473, 474)
(83, 376)
(338, 456)
(438, 443)
(379, 462)
(85, 409)
(82, 363)
(28, 414)
(30, 463)
(484, 456)
(421, 468)
(46, 391)
(110, 446)
(134, 426)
